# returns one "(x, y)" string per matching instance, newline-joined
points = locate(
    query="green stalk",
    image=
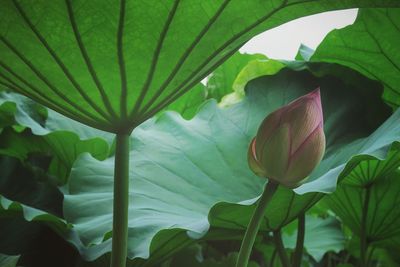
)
(369, 257)
(298, 252)
(272, 261)
(281, 249)
(363, 232)
(121, 202)
(254, 225)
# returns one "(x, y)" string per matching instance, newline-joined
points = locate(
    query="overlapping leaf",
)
(53, 134)
(181, 169)
(223, 79)
(367, 48)
(218, 85)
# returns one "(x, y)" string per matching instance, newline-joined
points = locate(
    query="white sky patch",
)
(283, 41)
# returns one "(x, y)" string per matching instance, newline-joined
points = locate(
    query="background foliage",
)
(192, 193)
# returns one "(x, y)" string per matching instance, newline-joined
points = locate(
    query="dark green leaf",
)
(51, 136)
(29, 184)
(380, 180)
(8, 261)
(369, 46)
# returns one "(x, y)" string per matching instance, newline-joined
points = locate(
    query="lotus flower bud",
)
(290, 142)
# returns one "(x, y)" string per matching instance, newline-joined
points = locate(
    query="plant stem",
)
(272, 261)
(328, 259)
(254, 225)
(281, 249)
(298, 252)
(121, 202)
(369, 257)
(363, 230)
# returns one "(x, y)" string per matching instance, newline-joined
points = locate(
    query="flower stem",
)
(363, 231)
(254, 225)
(298, 252)
(281, 249)
(121, 202)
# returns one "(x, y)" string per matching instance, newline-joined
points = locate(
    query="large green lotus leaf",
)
(113, 64)
(381, 181)
(369, 46)
(180, 169)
